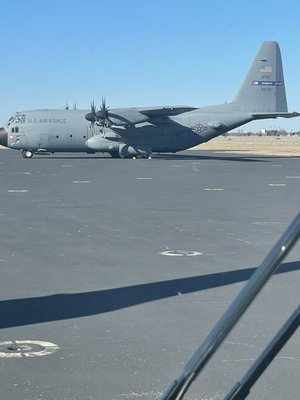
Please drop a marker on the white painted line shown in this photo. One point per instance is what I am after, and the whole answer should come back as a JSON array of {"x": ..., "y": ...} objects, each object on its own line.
[
  {"x": 277, "y": 184},
  {"x": 180, "y": 253},
  {"x": 265, "y": 223},
  {"x": 214, "y": 189},
  {"x": 26, "y": 348},
  {"x": 81, "y": 181},
  {"x": 25, "y": 173},
  {"x": 292, "y": 177},
  {"x": 144, "y": 179},
  {"x": 67, "y": 166},
  {"x": 18, "y": 191}
]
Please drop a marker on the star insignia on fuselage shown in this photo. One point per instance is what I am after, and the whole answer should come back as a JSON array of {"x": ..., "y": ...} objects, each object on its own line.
[{"x": 199, "y": 128}]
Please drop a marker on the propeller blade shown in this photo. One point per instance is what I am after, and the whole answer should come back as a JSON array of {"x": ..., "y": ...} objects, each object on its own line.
[
  {"x": 91, "y": 116},
  {"x": 93, "y": 107},
  {"x": 102, "y": 114}
]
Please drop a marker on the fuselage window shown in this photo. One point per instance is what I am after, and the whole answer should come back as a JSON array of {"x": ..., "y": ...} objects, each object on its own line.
[{"x": 15, "y": 129}]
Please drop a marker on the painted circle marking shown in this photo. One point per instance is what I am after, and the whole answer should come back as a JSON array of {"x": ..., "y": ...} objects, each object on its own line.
[
  {"x": 180, "y": 253},
  {"x": 26, "y": 348}
]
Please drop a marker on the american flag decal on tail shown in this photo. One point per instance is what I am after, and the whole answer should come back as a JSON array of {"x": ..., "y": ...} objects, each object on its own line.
[{"x": 266, "y": 70}]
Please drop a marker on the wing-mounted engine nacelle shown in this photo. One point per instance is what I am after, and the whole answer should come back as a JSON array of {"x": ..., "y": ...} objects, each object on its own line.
[{"x": 126, "y": 150}]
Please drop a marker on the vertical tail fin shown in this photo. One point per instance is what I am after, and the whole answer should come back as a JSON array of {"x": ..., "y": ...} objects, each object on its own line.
[{"x": 263, "y": 89}]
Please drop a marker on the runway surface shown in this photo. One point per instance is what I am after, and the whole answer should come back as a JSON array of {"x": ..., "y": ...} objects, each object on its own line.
[{"x": 123, "y": 266}]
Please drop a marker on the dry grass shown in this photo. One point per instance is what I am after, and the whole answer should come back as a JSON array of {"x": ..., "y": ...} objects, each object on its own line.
[{"x": 287, "y": 146}]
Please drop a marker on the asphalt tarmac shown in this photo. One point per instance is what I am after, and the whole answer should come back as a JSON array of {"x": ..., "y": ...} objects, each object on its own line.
[{"x": 114, "y": 271}]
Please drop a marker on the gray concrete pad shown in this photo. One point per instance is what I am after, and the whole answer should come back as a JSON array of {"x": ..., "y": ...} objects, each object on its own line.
[{"x": 82, "y": 263}]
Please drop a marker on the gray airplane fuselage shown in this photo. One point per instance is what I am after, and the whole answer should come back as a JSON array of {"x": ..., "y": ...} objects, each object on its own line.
[{"x": 68, "y": 131}]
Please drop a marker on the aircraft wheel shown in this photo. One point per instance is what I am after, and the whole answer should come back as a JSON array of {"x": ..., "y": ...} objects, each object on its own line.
[{"x": 27, "y": 153}]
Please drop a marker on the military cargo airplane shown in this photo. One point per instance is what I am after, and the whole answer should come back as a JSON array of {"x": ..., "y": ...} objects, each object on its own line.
[{"x": 132, "y": 132}]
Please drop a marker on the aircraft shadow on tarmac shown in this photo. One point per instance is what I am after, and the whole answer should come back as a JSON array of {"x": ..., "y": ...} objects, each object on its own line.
[
  {"x": 166, "y": 157},
  {"x": 196, "y": 157},
  {"x": 18, "y": 312}
]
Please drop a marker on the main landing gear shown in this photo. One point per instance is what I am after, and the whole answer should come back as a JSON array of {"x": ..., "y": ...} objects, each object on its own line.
[
  {"x": 116, "y": 154},
  {"x": 135, "y": 157}
]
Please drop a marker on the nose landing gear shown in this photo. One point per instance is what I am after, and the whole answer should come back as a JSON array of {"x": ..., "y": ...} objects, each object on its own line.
[{"x": 27, "y": 153}]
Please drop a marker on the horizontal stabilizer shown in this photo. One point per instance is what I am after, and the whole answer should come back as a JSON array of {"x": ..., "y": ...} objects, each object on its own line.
[{"x": 276, "y": 115}]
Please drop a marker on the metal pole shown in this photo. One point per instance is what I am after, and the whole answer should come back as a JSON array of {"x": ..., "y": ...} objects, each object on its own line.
[
  {"x": 242, "y": 388},
  {"x": 213, "y": 340}
]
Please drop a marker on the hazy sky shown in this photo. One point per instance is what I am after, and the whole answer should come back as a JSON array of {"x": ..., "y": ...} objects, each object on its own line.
[{"x": 140, "y": 53}]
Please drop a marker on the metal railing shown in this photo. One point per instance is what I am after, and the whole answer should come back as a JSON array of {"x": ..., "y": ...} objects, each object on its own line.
[{"x": 239, "y": 305}]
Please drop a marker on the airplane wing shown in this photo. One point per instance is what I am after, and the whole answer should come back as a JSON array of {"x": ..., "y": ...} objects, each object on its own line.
[
  {"x": 165, "y": 111},
  {"x": 132, "y": 116}
]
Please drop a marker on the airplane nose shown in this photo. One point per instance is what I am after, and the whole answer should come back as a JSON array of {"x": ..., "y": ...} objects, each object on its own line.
[{"x": 3, "y": 137}]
